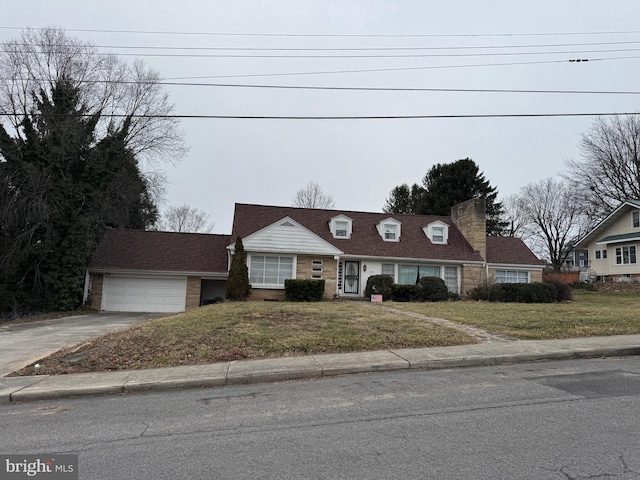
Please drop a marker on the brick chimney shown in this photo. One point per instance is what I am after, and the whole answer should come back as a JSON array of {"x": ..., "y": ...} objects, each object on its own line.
[{"x": 471, "y": 219}]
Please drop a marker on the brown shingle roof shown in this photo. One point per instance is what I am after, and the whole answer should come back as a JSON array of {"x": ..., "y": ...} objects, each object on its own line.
[
  {"x": 161, "y": 251},
  {"x": 365, "y": 240},
  {"x": 510, "y": 251}
]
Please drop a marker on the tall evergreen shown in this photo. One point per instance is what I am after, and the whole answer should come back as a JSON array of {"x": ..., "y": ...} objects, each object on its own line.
[
  {"x": 444, "y": 186},
  {"x": 238, "y": 287}
]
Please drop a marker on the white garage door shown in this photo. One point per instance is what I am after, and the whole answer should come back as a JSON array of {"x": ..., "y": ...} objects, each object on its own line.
[{"x": 122, "y": 293}]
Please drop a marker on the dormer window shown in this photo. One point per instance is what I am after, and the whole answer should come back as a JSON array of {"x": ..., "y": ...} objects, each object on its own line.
[
  {"x": 635, "y": 219},
  {"x": 389, "y": 230},
  {"x": 437, "y": 232},
  {"x": 341, "y": 226}
]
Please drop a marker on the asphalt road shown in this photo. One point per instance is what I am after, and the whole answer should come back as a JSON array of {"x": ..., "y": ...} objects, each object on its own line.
[
  {"x": 24, "y": 343},
  {"x": 554, "y": 420}
]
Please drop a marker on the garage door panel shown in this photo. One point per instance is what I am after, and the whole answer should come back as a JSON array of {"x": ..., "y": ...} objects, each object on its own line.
[{"x": 144, "y": 294}]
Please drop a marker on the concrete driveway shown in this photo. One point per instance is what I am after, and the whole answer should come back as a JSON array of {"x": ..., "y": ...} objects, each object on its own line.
[{"x": 23, "y": 344}]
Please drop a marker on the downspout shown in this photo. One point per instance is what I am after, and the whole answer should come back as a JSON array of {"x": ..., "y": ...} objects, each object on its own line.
[{"x": 87, "y": 280}]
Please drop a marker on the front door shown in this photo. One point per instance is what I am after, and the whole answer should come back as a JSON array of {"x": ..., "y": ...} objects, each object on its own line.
[{"x": 351, "y": 277}]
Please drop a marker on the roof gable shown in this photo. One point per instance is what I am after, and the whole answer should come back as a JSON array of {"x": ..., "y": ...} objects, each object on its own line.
[
  {"x": 602, "y": 227},
  {"x": 287, "y": 235}
]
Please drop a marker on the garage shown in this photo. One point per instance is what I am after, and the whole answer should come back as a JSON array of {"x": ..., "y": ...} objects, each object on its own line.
[{"x": 139, "y": 293}]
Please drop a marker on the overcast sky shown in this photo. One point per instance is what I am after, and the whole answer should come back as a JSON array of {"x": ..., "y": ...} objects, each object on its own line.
[{"x": 457, "y": 44}]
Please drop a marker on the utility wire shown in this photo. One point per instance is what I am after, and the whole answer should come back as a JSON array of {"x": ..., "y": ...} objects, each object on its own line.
[
  {"x": 338, "y": 35},
  {"x": 336, "y": 117},
  {"x": 330, "y": 49}
]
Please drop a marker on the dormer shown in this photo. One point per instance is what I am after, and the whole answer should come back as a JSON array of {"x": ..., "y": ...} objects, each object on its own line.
[
  {"x": 437, "y": 232},
  {"x": 341, "y": 226},
  {"x": 389, "y": 230}
]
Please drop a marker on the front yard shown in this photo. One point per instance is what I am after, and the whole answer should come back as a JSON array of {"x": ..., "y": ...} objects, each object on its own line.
[{"x": 234, "y": 331}]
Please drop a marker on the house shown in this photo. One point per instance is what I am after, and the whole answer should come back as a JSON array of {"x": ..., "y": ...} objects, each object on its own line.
[
  {"x": 160, "y": 271},
  {"x": 614, "y": 244}
]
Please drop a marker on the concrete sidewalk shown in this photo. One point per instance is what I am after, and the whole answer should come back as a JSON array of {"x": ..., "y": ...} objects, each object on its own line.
[{"x": 16, "y": 389}]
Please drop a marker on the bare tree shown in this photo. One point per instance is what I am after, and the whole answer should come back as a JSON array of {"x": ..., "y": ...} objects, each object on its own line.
[
  {"x": 119, "y": 92},
  {"x": 312, "y": 196},
  {"x": 185, "y": 219},
  {"x": 552, "y": 217},
  {"x": 609, "y": 171}
]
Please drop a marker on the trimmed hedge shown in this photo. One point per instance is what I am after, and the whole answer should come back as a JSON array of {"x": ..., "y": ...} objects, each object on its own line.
[
  {"x": 379, "y": 285},
  {"x": 516, "y": 293},
  {"x": 563, "y": 289},
  {"x": 304, "y": 290},
  {"x": 433, "y": 289},
  {"x": 406, "y": 293}
]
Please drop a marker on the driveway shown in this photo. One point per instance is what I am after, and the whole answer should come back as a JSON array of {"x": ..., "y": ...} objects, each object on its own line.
[{"x": 23, "y": 344}]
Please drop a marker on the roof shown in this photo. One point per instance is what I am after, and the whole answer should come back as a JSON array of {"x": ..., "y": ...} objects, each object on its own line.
[
  {"x": 620, "y": 238},
  {"x": 605, "y": 224},
  {"x": 161, "y": 251},
  {"x": 510, "y": 251},
  {"x": 365, "y": 239}
]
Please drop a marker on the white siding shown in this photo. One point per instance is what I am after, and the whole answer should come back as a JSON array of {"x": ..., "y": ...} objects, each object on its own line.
[{"x": 287, "y": 236}]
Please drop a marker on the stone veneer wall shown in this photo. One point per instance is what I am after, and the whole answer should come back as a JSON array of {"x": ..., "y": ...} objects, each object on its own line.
[
  {"x": 194, "y": 285},
  {"x": 470, "y": 218},
  {"x": 472, "y": 277},
  {"x": 329, "y": 273},
  {"x": 95, "y": 292}
]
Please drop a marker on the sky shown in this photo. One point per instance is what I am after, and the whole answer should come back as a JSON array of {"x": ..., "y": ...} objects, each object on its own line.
[{"x": 431, "y": 57}]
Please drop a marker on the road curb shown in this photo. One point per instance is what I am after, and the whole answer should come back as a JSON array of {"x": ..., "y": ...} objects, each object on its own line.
[{"x": 24, "y": 389}]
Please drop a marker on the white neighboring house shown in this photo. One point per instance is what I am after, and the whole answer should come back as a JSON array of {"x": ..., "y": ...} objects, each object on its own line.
[{"x": 614, "y": 244}]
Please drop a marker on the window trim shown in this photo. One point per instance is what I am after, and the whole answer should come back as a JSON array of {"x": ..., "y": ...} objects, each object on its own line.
[
  {"x": 620, "y": 255},
  {"x": 507, "y": 271},
  {"x": 635, "y": 219},
  {"x": 390, "y": 222},
  {"x": 430, "y": 229},
  {"x": 333, "y": 227},
  {"x": 271, "y": 286}
]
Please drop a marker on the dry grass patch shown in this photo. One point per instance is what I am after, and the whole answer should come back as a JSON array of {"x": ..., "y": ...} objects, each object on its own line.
[
  {"x": 233, "y": 331},
  {"x": 589, "y": 314}
]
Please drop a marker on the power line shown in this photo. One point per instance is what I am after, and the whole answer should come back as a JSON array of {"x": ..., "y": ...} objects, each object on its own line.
[
  {"x": 334, "y": 35},
  {"x": 333, "y": 49},
  {"x": 340, "y": 56},
  {"x": 360, "y": 117}
]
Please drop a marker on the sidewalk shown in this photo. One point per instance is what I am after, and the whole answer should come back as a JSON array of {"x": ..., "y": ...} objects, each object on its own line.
[{"x": 18, "y": 389}]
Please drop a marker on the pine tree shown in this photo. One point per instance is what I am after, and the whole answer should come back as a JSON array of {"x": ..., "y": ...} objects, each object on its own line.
[{"x": 238, "y": 287}]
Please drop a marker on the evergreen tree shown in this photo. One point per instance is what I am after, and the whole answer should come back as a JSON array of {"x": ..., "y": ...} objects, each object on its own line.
[
  {"x": 238, "y": 287},
  {"x": 60, "y": 190},
  {"x": 444, "y": 186}
]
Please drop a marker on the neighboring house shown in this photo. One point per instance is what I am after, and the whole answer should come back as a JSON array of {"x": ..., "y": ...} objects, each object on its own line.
[
  {"x": 614, "y": 244},
  {"x": 137, "y": 270},
  {"x": 578, "y": 259},
  {"x": 148, "y": 271}
]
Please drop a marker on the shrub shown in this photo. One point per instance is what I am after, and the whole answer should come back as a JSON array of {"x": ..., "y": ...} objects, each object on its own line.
[
  {"x": 379, "y": 284},
  {"x": 238, "y": 287},
  {"x": 433, "y": 289},
  {"x": 303, "y": 290},
  {"x": 588, "y": 286},
  {"x": 406, "y": 293},
  {"x": 515, "y": 293},
  {"x": 563, "y": 290}
]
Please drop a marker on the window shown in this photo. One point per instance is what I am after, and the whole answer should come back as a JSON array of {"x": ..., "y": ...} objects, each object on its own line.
[
  {"x": 270, "y": 270},
  {"x": 451, "y": 278},
  {"x": 341, "y": 226},
  {"x": 635, "y": 219},
  {"x": 597, "y": 254},
  {"x": 437, "y": 232},
  {"x": 438, "y": 235},
  {"x": 389, "y": 269},
  {"x": 390, "y": 231},
  {"x": 411, "y": 274},
  {"x": 626, "y": 255},
  {"x": 604, "y": 254},
  {"x": 512, "y": 276}
]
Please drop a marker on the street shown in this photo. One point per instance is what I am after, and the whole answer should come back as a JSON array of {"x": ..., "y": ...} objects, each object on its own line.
[{"x": 552, "y": 420}]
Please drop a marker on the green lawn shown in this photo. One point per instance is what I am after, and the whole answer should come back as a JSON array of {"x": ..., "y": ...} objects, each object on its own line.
[{"x": 589, "y": 314}]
